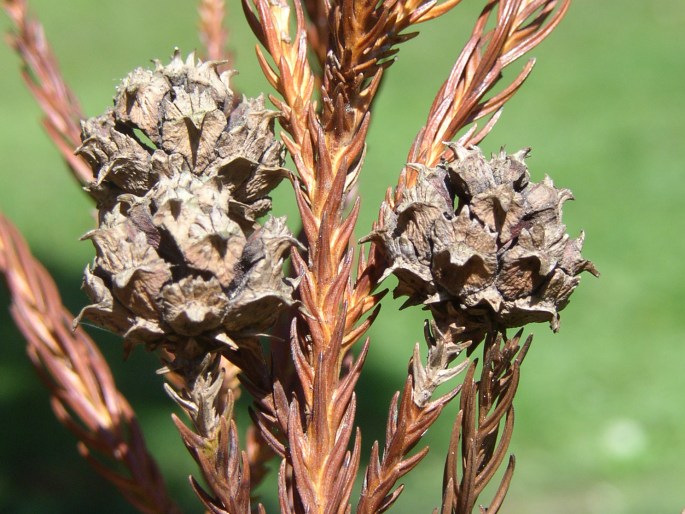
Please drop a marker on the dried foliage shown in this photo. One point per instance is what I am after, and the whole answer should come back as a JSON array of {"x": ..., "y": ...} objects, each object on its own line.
[
  {"x": 486, "y": 408},
  {"x": 84, "y": 396},
  {"x": 409, "y": 419},
  {"x": 213, "y": 33},
  {"x": 181, "y": 168},
  {"x": 43, "y": 78},
  {"x": 214, "y": 441},
  {"x": 519, "y": 26}
]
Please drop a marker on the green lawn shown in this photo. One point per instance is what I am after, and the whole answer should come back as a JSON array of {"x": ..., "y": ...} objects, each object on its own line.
[{"x": 600, "y": 409}]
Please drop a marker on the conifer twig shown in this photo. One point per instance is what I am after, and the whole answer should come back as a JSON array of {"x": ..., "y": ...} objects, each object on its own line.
[
  {"x": 318, "y": 28},
  {"x": 409, "y": 419},
  {"x": 484, "y": 426},
  {"x": 328, "y": 151},
  {"x": 43, "y": 78},
  {"x": 213, "y": 440},
  {"x": 520, "y": 25},
  {"x": 84, "y": 396},
  {"x": 213, "y": 33}
]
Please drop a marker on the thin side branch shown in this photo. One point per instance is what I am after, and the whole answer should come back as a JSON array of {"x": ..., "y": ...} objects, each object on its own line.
[
  {"x": 43, "y": 78},
  {"x": 407, "y": 423},
  {"x": 213, "y": 441},
  {"x": 318, "y": 28},
  {"x": 484, "y": 427},
  {"x": 84, "y": 396},
  {"x": 409, "y": 419},
  {"x": 290, "y": 74},
  {"x": 213, "y": 33},
  {"x": 519, "y": 26},
  {"x": 328, "y": 150}
]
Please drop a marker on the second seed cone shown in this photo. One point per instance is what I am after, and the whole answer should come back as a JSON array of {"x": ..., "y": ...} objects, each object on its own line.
[{"x": 482, "y": 246}]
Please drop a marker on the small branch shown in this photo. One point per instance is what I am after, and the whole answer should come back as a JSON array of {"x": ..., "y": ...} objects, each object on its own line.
[
  {"x": 328, "y": 151},
  {"x": 364, "y": 36},
  {"x": 84, "y": 396},
  {"x": 43, "y": 78},
  {"x": 214, "y": 441},
  {"x": 486, "y": 409},
  {"x": 317, "y": 28},
  {"x": 409, "y": 420},
  {"x": 259, "y": 453},
  {"x": 290, "y": 74},
  {"x": 519, "y": 26},
  {"x": 271, "y": 402},
  {"x": 213, "y": 34}
]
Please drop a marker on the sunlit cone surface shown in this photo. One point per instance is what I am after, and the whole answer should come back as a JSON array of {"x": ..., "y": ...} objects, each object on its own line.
[
  {"x": 182, "y": 171},
  {"x": 482, "y": 246}
]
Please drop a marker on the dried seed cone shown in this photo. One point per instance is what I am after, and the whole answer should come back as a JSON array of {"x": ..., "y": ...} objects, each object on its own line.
[
  {"x": 182, "y": 171},
  {"x": 499, "y": 258}
]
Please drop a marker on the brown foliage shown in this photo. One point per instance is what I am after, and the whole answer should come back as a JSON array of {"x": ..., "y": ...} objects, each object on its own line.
[
  {"x": 181, "y": 169},
  {"x": 84, "y": 396}
]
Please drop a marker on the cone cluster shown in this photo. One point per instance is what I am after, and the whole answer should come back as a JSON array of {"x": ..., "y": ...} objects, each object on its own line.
[
  {"x": 182, "y": 172},
  {"x": 482, "y": 246}
]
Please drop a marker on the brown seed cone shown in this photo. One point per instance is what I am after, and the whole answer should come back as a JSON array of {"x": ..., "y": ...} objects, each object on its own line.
[
  {"x": 182, "y": 171},
  {"x": 499, "y": 258}
]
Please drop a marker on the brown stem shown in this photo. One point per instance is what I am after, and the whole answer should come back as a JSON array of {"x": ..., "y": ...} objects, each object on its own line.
[
  {"x": 271, "y": 398},
  {"x": 463, "y": 98},
  {"x": 318, "y": 28},
  {"x": 486, "y": 409},
  {"x": 409, "y": 420},
  {"x": 84, "y": 396},
  {"x": 407, "y": 423},
  {"x": 328, "y": 152},
  {"x": 213, "y": 34},
  {"x": 213, "y": 441},
  {"x": 43, "y": 78},
  {"x": 259, "y": 453},
  {"x": 290, "y": 74}
]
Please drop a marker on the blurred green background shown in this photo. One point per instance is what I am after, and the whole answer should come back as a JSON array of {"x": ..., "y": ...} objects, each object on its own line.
[{"x": 601, "y": 405}]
